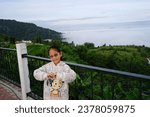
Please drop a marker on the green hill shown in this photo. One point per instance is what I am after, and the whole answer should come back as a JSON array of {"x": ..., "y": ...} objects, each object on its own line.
[{"x": 26, "y": 31}]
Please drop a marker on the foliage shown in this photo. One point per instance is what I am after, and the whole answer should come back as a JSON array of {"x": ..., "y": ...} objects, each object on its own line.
[
  {"x": 26, "y": 31},
  {"x": 91, "y": 84}
]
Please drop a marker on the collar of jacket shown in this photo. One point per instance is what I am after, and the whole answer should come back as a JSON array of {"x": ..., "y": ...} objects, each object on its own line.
[{"x": 59, "y": 64}]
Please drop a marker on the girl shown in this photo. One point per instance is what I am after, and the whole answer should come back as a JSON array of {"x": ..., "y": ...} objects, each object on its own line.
[{"x": 56, "y": 76}]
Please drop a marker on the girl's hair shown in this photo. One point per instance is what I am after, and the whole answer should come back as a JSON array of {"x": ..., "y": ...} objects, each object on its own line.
[{"x": 55, "y": 48}]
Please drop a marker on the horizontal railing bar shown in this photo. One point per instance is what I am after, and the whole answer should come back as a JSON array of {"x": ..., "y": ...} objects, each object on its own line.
[
  {"x": 9, "y": 80},
  {"x": 118, "y": 72},
  {"x": 34, "y": 96},
  {"x": 36, "y": 57},
  {"x": 9, "y": 49}
]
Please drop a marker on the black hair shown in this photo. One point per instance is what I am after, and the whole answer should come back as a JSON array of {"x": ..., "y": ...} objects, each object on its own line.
[{"x": 55, "y": 47}]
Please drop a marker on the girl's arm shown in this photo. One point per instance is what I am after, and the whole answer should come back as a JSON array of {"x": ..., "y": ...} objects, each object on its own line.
[
  {"x": 68, "y": 75},
  {"x": 40, "y": 73}
]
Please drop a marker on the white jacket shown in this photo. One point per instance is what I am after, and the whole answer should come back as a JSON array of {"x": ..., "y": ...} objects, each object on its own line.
[{"x": 57, "y": 89}]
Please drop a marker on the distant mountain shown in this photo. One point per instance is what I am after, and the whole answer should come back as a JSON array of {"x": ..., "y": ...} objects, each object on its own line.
[{"x": 26, "y": 31}]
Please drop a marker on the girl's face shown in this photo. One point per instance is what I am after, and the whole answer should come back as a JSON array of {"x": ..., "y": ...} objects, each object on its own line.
[{"x": 55, "y": 56}]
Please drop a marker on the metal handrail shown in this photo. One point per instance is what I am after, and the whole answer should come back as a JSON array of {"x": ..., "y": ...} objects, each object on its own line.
[
  {"x": 118, "y": 72},
  {"x": 111, "y": 71},
  {"x": 9, "y": 49}
]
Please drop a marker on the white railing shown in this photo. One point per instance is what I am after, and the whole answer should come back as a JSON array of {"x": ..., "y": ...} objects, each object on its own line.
[{"x": 23, "y": 70}]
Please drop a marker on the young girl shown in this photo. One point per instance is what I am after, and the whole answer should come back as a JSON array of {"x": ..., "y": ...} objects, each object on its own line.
[{"x": 56, "y": 76}]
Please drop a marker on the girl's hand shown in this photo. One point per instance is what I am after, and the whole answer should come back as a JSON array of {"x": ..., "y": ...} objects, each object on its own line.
[{"x": 51, "y": 75}]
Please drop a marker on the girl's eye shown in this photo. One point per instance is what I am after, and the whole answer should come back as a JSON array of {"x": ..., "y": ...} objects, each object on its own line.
[{"x": 55, "y": 55}]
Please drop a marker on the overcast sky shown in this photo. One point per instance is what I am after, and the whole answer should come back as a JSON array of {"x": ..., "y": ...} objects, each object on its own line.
[
  {"x": 65, "y": 10},
  {"x": 62, "y": 15}
]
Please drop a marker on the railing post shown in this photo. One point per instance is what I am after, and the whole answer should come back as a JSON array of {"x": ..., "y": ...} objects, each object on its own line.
[{"x": 23, "y": 69}]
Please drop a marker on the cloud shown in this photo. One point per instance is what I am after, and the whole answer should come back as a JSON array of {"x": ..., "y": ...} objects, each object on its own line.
[
  {"x": 80, "y": 17},
  {"x": 67, "y": 10},
  {"x": 74, "y": 12},
  {"x": 76, "y": 19}
]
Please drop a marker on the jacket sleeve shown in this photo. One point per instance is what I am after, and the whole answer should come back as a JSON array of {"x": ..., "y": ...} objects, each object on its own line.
[
  {"x": 68, "y": 75},
  {"x": 40, "y": 73}
]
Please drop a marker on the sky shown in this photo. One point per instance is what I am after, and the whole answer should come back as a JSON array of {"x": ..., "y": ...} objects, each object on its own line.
[
  {"x": 98, "y": 21},
  {"x": 71, "y": 10}
]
